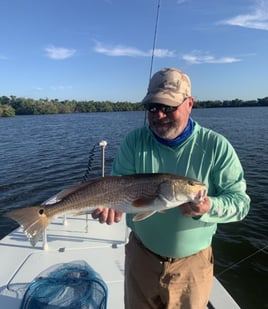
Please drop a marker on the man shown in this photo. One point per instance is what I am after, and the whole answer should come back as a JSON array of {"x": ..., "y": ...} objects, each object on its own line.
[{"x": 169, "y": 261}]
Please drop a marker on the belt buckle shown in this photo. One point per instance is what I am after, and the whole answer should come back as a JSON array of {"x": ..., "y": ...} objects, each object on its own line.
[
  {"x": 170, "y": 260},
  {"x": 167, "y": 259}
]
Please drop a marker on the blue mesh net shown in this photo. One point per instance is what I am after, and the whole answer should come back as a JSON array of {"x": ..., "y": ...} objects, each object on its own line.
[{"x": 73, "y": 285}]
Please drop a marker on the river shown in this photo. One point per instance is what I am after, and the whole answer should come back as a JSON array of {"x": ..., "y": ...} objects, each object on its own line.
[{"x": 40, "y": 155}]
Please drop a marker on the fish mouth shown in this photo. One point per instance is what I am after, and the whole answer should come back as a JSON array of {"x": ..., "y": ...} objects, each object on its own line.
[{"x": 201, "y": 194}]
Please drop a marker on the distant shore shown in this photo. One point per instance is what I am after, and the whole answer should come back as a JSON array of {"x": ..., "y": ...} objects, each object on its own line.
[{"x": 13, "y": 106}]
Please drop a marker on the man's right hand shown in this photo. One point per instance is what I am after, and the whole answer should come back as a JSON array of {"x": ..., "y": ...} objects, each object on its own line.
[{"x": 107, "y": 215}]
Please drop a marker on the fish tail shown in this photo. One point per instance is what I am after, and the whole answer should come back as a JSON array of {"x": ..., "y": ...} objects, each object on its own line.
[{"x": 33, "y": 219}]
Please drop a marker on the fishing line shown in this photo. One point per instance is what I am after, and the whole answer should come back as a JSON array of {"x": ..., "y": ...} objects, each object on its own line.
[
  {"x": 154, "y": 45},
  {"x": 242, "y": 260}
]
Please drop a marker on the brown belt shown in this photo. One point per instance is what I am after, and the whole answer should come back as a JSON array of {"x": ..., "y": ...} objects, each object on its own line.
[{"x": 165, "y": 258}]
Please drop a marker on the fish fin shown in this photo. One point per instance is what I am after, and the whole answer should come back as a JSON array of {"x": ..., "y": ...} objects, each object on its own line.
[
  {"x": 143, "y": 215},
  {"x": 53, "y": 199},
  {"x": 33, "y": 220},
  {"x": 143, "y": 201},
  {"x": 62, "y": 194}
]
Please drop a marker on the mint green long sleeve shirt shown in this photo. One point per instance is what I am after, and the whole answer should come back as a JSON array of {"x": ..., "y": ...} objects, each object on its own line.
[{"x": 206, "y": 156}]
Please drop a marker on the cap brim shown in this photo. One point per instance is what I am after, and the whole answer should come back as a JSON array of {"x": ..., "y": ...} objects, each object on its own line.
[{"x": 162, "y": 99}]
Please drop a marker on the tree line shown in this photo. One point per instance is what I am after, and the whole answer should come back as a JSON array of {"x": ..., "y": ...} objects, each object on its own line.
[{"x": 12, "y": 106}]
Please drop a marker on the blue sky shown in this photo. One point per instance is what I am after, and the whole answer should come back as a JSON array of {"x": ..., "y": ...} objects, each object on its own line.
[{"x": 101, "y": 49}]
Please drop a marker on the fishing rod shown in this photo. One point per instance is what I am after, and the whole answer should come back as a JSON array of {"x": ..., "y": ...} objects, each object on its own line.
[
  {"x": 154, "y": 45},
  {"x": 154, "y": 38}
]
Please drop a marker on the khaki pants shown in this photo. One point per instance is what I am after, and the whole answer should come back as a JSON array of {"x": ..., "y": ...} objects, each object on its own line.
[{"x": 150, "y": 282}]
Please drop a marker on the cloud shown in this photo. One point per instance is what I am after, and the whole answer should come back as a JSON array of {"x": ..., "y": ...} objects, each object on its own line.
[
  {"x": 38, "y": 88},
  {"x": 120, "y": 50},
  {"x": 59, "y": 53},
  {"x": 198, "y": 57},
  {"x": 257, "y": 19},
  {"x": 60, "y": 87},
  {"x": 163, "y": 53}
]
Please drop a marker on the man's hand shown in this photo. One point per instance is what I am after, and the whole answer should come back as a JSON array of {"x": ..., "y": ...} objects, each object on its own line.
[
  {"x": 193, "y": 210},
  {"x": 107, "y": 215}
]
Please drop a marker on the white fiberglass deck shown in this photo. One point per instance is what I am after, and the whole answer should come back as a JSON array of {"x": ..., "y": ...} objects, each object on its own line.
[{"x": 101, "y": 246}]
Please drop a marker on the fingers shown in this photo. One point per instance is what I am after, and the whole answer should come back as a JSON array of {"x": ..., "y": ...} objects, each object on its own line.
[
  {"x": 103, "y": 216},
  {"x": 117, "y": 216},
  {"x": 107, "y": 215},
  {"x": 192, "y": 209},
  {"x": 187, "y": 209},
  {"x": 97, "y": 213}
]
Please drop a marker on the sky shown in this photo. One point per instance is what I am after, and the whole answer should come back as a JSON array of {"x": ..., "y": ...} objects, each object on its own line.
[{"x": 101, "y": 50}]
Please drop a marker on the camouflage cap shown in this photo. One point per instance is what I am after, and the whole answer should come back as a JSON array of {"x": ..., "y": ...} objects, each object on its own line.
[{"x": 168, "y": 86}]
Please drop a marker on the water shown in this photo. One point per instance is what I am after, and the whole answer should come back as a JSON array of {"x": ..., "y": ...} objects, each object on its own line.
[{"x": 40, "y": 155}]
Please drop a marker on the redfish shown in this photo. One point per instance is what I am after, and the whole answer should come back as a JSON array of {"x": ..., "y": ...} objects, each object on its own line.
[{"x": 141, "y": 194}]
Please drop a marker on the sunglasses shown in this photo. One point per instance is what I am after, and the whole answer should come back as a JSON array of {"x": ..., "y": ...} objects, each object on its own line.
[{"x": 154, "y": 108}]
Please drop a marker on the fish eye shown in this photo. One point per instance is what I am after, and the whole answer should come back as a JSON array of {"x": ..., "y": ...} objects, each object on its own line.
[
  {"x": 191, "y": 183},
  {"x": 41, "y": 211}
]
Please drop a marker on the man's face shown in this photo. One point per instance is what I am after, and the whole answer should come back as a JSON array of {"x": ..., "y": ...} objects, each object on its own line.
[{"x": 169, "y": 125}]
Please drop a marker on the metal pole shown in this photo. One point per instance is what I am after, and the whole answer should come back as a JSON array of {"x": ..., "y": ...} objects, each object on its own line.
[{"x": 103, "y": 144}]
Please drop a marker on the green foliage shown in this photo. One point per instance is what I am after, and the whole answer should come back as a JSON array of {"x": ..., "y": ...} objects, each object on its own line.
[
  {"x": 231, "y": 103},
  {"x": 11, "y": 106},
  {"x": 7, "y": 111}
]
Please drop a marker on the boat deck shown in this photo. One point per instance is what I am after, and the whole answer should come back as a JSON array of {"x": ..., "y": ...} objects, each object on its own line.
[{"x": 101, "y": 246}]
